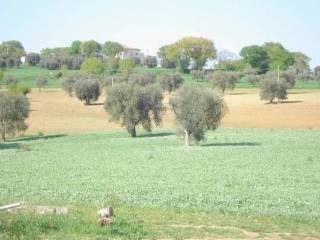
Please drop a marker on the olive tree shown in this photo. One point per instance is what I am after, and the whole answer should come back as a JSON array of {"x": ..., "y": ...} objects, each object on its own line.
[
  {"x": 92, "y": 66},
  {"x": 87, "y": 89},
  {"x": 170, "y": 82},
  {"x": 141, "y": 79},
  {"x": 33, "y": 59},
  {"x": 223, "y": 80},
  {"x": 14, "y": 109},
  {"x": 8, "y": 79},
  {"x": 133, "y": 104},
  {"x": 68, "y": 83},
  {"x": 197, "y": 110},
  {"x": 151, "y": 61},
  {"x": 317, "y": 73},
  {"x": 41, "y": 82},
  {"x": 275, "y": 85}
]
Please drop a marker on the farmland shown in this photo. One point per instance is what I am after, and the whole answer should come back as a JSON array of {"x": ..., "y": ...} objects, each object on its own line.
[{"x": 245, "y": 172}]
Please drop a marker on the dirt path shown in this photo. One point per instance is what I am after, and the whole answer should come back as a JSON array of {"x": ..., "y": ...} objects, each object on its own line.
[{"x": 54, "y": 112}]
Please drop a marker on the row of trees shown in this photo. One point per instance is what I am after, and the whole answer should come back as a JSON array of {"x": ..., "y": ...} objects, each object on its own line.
[{"x": 137, "y": 100}]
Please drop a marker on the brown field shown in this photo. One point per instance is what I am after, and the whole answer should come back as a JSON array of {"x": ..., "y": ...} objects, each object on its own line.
[{"x": 54, "y": 112}]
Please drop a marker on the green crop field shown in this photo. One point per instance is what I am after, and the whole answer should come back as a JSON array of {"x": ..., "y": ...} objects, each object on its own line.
[{"x": 257, "y": 179}]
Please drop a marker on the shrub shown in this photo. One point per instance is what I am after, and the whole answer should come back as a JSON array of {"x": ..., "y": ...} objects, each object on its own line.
[
  {"x": 87, "y": 89},
  {"x": 126, "y": 65},
  {"x": 16, "y": 88},
  {"x": 271, "y": 87},
  {"x": 197, "y": 110},
  {"x": 58, "y": 75},
  {"x": 51, "y": 63},
  {"x": 134, "y": 105},
  {"x": 14, "y": 109},
  {"x": 3, "y": 63},
  {"x": 1, "y": 76},
  {"x": 253, "y": 79},
  {"x": 223, "y": 80},
  {"x": 41, "y": 82},
  {"x": 151, "y": 61},
  {"x": 170, "y": 82},
  {"x": 141, "y": 79},
  {"x": 33, "y": 59},
  {"x": 92, "y": 66},
  {"x": 112, "y": 64}
]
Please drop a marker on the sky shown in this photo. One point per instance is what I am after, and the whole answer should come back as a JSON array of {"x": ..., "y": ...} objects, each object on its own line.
[{"x": 149, "y": 24}]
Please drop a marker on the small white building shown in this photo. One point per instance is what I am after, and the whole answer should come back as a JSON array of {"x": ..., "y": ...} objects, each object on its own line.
[{"x": 130, "y": 53}]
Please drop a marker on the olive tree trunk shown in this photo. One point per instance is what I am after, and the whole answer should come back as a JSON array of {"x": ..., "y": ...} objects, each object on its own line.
[
  {"x": 132, "y": 132},
  {"x": 186, "y": 138}
]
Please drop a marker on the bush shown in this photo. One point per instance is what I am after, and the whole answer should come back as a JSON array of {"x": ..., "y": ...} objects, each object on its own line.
[
  {"x": 272, "y": 88},
  {"x": 68, "y": 83},
  {"x": 3, "y": 63},
  {"x": 33, "y": 59},
  {"x": 223, "y": 80},
  {"x": 41, "y": 82},
  {"x": 58, "y": 75},
  {"x": 151, "y": 62},
  {"x": 87, "y": 89},
  {"x": 168, "y": 63},
  {"x": 126, "y": 65},
  {"x": 1, "y": 76},
  {"x": 253, "y": 79},
  {"x": 112, "y": 64},
  {"x": 14, "y": 111},
  {"x": 16, "y": 88},
  {"x": 92, "y": 66},
  {"x": 170, "y": 82},
  {"x": 197, "y": 110},
  {"x": 134, "y": 105},
  {"x": 141, "y": 79}
]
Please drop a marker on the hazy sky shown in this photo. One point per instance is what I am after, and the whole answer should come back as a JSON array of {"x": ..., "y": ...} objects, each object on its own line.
[{"x": 148, "y": 24}]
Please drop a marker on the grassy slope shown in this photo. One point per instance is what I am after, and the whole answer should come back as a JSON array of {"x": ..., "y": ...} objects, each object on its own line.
[
  {"x": 27, "y": 76},
  {"x": 259, "y": 180}
]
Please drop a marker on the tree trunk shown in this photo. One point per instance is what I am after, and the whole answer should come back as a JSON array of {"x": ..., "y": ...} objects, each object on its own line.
[
  {"x": 132, "y": 132},
  {"x": 87, "y": 102},
  {"x": 186, "y": 138},
  {"x": 3, "y": 136}
]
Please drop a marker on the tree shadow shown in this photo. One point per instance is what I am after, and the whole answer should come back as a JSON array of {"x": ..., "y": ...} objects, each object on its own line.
[
  {"x": 4, "y": 146},
  {"x": 240, "y": 93},
  {"x": 290, "y": 102},
  {"x": 298, "y": 92},
  {"x": 32, "y": 138},
  {"x": 95, "y": 104},
  {"x": 162, "y": 134},
  {"x": 227, "y": 144}
]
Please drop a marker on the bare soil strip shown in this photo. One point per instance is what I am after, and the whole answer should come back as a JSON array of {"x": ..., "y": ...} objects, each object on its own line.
[{"x": 54, "y": 112}]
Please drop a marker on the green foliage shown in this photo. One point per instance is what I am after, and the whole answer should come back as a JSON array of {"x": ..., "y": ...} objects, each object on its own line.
[
  {"x": 14, "y": 109},
  {"x": 278, "y": 56},
  {"x": 135, "y": 104},
  {"x": 197, "y": 110},
  {"x": 196, "y": 48},
  {"x": 91, "y": 48},
  {"x": 55, "y": 52},
  {"x": 75, "y": 48},
  {"x": 1, "y": 76},
  {"x": 231, "y": 65},
  {"x": 126, "y": 65},
  {"x": 257, "y": 57},
  {"x": 111, "y": 49},
  {"x": 87, "y": 89},
  {"x": 317, "y": 73},
  {"x": 112, "y": 64},
  {"x": 222, "y": 80},
  {"x": 93, "y": 66},
  {"x": 198, "y": 75},
  {"x": 17, "y": 88}
]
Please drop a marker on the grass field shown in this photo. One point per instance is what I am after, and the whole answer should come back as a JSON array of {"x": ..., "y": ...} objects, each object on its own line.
[
  {"x": 256, "y": 179},
  {"x": 28, "y": 75}
]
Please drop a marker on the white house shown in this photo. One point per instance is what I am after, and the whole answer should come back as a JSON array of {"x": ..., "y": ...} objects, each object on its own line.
[{"x": 130, "y": 53}]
